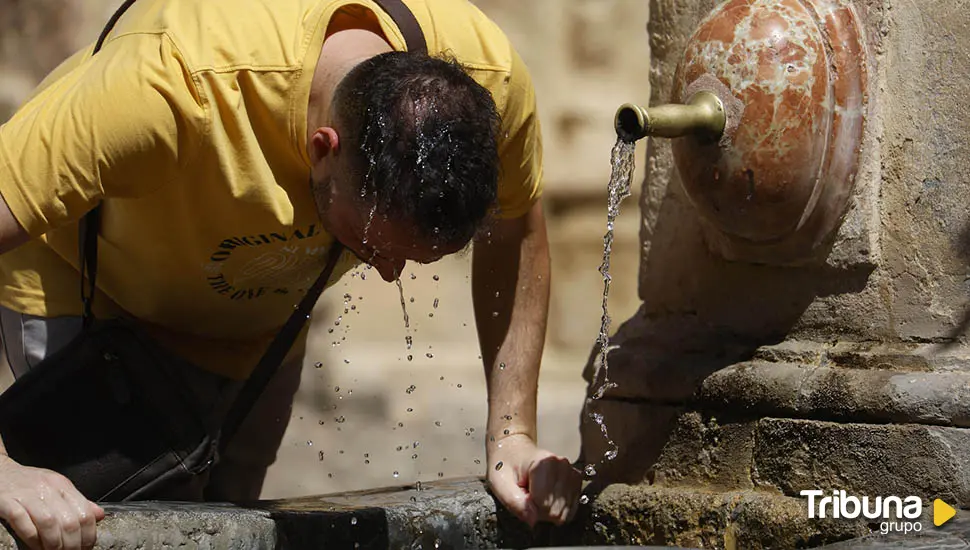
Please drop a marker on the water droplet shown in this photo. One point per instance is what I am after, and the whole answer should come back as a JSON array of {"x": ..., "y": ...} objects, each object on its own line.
[
  {"x": 442, "y": 378},
  {"x": 353, "y": 520},
  {"x": 506, "y": 432},
  {"x": 336, "y": 389},
  {"x": 501, "y": 366},
  {"x": 437, "y": 423},
  {"x": 431, "y": 315},
  {"x": 498, "y": 466},
  {"x": 410, "y": 357},
  {"x": 321, "y": 422},
  {"x": 477, "y": 461},
  {"x": 435, "y": 277},
  {"x": 330, "y": 476},
  {"x": 309, "y": 443},
  {"x": 430, "y": 356},
  {"x": 400, "y": 424},
  {"x": 590, "y": 470},
  {"x": 413, "y": 276},
  {"x": 584, "y": 499},
  {"x": 410, "y": 389},
  {"x": 318, "y": 365},
  {"x": 459, "y": 385},
  {"x": 414, "y": 456},
  {"x": 494, "y": 314},
  {"x": 435, "y": 305},
  {"x": 507, "y": 417},
  {"x": 410, "y": 409},
  {"x": 415, "y": 445},
  {"x": 396, "y": 474},
  {"x": 366, "y": 461},
  {"x": 437, "y": 543},
  {"x": 346, "y": 361},
  {"x": 399, "y": 447},
  {"x": 320, "y": 456},
  {"x": 441, "y": 474},
  {"x": 340, "y": 419}
]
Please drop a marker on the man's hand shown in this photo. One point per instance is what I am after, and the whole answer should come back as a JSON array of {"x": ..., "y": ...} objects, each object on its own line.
[
  {"x": 44, "y": 509},
  {"x": 533, "y": 484}
]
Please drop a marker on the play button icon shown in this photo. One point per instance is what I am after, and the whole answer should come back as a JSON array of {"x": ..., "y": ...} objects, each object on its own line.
[{"x": 942, "y": 512}]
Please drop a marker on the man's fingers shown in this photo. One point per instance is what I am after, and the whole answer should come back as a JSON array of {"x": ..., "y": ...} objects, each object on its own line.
[
  {"x": 48, "y": 526},
  {"x": 555, "y": 486},
  {"x": 86, "y": 519},
  {"x": 23, "y": 526},
  {"x": 68, "y": 521},
  {"x": 515, "y": 499},
  {"x": 97, "y": 510}
]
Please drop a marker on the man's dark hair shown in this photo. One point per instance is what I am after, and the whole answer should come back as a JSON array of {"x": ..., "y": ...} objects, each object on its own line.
[{"x": 422, "y": 134}]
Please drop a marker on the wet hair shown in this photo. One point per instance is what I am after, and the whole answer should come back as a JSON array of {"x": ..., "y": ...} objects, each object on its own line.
[{"x": 422, "y": 135}]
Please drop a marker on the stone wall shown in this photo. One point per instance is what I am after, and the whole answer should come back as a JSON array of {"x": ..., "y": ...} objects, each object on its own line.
[
  {"x": 587, "y": 57},
  {"x": 852, "y": 349}
]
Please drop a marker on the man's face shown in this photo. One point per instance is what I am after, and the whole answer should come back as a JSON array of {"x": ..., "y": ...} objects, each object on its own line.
[{"x": 385, "y": 243}]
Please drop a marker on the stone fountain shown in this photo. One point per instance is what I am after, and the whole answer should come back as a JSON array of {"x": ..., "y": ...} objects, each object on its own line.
[{"x": 803, "y": 274}]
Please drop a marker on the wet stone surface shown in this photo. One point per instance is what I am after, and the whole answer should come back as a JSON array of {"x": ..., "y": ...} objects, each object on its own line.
[{"x": 149, "y": 525}]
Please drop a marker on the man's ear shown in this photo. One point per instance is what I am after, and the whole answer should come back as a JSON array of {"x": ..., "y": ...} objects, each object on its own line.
[{"x": 323, "y": 142}]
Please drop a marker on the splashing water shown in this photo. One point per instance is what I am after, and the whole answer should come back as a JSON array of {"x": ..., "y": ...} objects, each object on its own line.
[
  {"x": 370, "y": 220},
  {"x": 623, "y": 162},
  {"x": 407, "y": 321}
]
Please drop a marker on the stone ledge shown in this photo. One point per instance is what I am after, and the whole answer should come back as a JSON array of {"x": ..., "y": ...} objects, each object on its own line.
[
  {"x": 150, "y": 525},
  {"x": 826, "y": 393},
  {"x": 461, "y": 514},
  {"x": 448, "y": 514}
]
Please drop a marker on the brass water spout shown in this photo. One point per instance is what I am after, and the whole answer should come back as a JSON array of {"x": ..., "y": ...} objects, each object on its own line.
[{"x": 703, "y": 115}]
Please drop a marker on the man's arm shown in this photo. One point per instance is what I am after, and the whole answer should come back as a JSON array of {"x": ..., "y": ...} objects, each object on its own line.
[{"x": 510, "y": 289}]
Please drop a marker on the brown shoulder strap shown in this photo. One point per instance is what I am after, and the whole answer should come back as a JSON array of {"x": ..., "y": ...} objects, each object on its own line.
[{"x": 406, "y": 23}]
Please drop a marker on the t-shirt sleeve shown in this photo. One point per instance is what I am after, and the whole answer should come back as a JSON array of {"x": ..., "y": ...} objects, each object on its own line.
[
  {"x": 119, "y": 124},
  {"x": 520, "y": 148}
]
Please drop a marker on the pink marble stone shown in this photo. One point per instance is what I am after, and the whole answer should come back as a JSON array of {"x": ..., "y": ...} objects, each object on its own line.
[{"x": 796, "y": 72}]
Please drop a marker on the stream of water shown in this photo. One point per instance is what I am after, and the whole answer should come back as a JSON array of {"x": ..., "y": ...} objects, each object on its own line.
[{"x": 623, "y": 162}]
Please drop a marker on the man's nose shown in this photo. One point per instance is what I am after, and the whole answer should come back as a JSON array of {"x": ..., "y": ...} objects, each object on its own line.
[{"x": 390, "y": 270}]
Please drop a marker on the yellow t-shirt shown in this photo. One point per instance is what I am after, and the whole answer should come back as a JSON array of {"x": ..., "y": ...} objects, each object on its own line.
[{"x": 189, "y": 126}]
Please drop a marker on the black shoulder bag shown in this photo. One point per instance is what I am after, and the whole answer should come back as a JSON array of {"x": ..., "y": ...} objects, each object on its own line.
[{"x": 144, "y": 431}]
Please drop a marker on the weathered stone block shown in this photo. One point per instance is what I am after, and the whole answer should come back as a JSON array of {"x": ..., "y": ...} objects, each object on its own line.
[
  {"x": 864, "y": 459},
  {"x": 702, "y": 452},
  {"x": 695, "y": 518}
]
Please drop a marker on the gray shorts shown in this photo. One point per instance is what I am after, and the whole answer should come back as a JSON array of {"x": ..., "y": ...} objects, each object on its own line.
[{"x": 239, "y": 475}]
